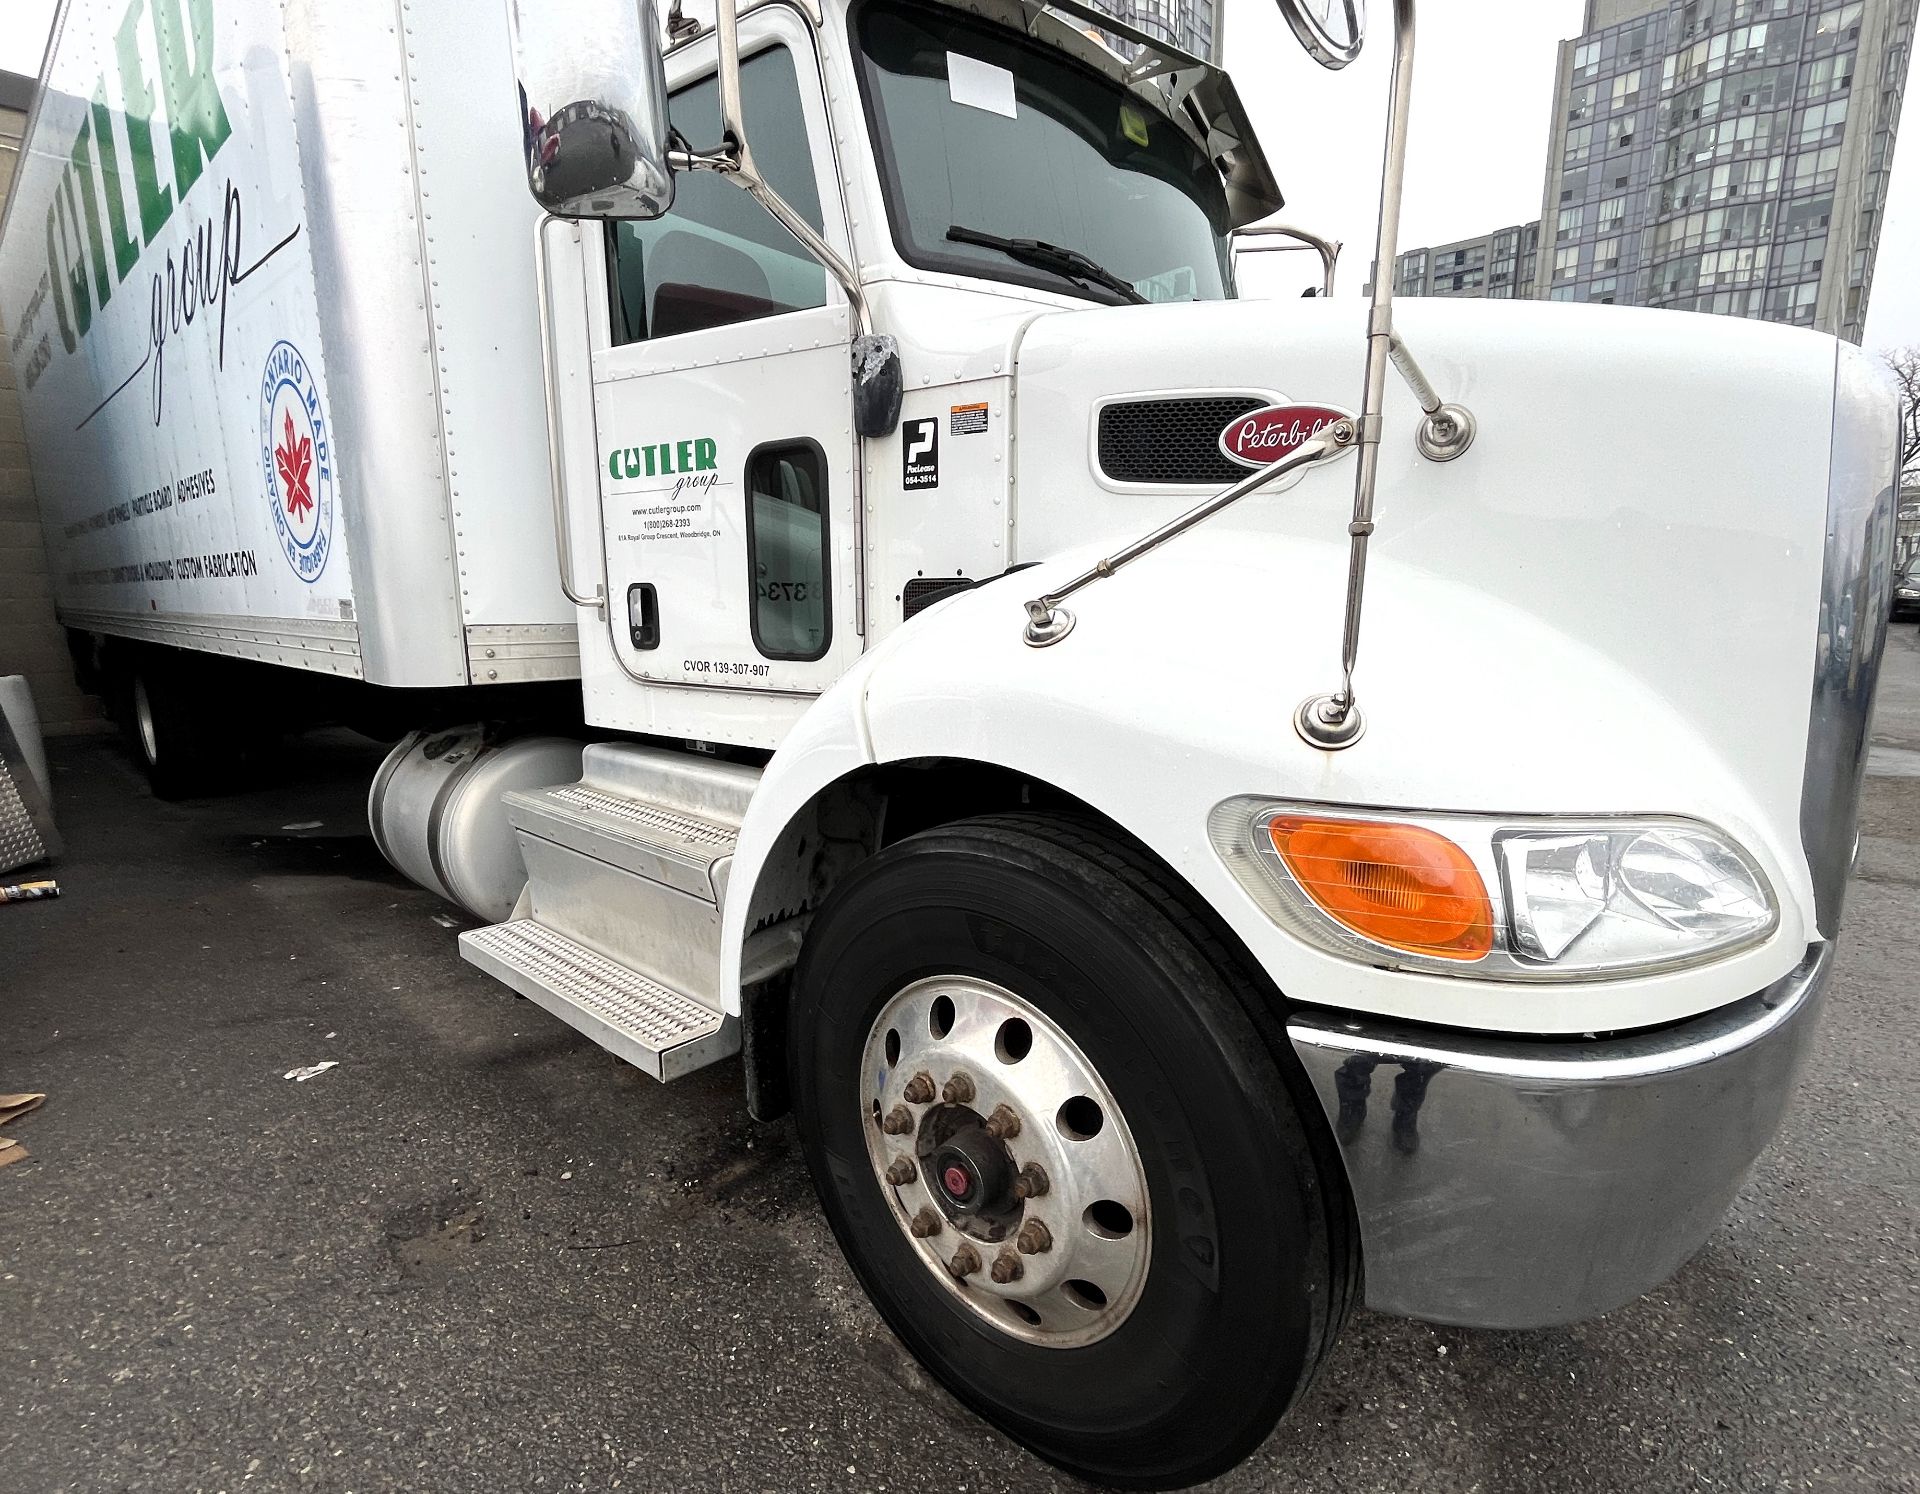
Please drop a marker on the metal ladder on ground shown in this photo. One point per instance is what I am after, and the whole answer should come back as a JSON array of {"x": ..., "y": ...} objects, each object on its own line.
[{"x": 618, "y": 931}]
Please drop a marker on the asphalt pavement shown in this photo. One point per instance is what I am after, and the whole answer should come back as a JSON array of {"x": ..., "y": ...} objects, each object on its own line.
[{"x": 480, "y": 1254}]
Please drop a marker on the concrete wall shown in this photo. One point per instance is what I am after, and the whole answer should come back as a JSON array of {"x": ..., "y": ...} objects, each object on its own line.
[{"x": 31, "y": 642}]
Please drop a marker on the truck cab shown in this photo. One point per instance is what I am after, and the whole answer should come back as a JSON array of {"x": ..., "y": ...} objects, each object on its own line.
[
  {"x": 973, "y": 731},
  {"x": 1141, "y": 1003},
  {"x": 752, "y": 543}
]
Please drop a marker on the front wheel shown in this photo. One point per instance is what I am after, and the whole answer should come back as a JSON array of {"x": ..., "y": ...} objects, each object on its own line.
[{"x": 1058, "y": 1152}]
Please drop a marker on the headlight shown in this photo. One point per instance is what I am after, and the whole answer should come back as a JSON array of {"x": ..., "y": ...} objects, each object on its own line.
[{"x": 1503, "y": 899}]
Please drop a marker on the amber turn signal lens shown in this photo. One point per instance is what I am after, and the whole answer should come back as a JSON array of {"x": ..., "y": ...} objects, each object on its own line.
[{"x": 1398, "y": 885}]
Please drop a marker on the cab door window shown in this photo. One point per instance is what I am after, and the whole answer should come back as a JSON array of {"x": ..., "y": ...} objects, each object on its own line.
[
  {"x": 719, "y": 257},
  {"x": 787, "y": 550}
]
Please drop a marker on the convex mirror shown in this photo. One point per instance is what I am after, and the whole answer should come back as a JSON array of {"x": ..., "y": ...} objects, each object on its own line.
[
  {"x": 1330, "y": 30},
  {"x": 593, "y": 106}
]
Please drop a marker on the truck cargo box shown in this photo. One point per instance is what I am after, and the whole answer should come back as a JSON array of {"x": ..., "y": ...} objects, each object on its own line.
[{"x": 267, "y": 282}]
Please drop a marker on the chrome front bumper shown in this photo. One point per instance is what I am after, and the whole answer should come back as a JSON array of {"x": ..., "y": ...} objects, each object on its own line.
[{"x": 1501, "y": 1183}]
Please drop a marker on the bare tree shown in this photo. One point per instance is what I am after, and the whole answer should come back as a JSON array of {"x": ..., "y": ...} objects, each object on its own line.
[{"x": 1905, "y": 363}]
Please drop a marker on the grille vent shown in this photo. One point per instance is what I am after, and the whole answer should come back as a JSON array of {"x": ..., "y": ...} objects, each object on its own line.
[
  {"x": 923, "y": 591},
  {"x": 1171, "y": 440}
]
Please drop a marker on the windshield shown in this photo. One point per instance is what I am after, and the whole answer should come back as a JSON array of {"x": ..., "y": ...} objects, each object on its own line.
[{"x": 981, "y": 129}]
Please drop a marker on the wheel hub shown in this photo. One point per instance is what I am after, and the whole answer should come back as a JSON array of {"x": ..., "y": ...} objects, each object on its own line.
[
  {"x": 1012, "y": 1172},
  {"x": 970, "y": 1173}
]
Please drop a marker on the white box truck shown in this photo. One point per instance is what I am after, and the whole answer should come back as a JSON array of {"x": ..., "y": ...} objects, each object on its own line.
[
  {"x": 280, "y": 371},
  {"x": 965, "y": 590}
]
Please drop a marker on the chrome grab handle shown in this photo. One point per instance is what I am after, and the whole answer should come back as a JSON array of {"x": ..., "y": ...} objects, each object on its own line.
[{"x": 556, "y": 475}]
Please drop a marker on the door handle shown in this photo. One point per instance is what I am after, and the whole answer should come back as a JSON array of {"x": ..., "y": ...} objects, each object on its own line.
[{"x": 643, "y": 615}]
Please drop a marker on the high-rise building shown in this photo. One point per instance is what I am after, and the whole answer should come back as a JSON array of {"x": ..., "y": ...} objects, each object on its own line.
[
  {"x": 1188, "y": 24},
  {"x": 1725, "y": 155},
  {"x": 1500, "y": 265}
]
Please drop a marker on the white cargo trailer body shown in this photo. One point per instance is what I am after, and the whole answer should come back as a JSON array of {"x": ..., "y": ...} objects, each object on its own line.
[{"x": 266, "y": 282}]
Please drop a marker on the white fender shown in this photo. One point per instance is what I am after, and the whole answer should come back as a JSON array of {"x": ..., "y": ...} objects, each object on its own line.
[
  {"x": 1175, "y": 691},
  {"x": 1612, "y": 604}
]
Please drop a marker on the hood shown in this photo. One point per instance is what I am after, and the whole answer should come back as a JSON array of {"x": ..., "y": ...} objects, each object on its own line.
[{"x": 1652, "y": 488}]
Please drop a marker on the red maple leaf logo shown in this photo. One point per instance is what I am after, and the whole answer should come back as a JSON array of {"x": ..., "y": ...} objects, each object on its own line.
[{"x": 294, "y": 459}]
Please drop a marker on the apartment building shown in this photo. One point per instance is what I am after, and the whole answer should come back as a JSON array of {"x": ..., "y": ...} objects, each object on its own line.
[
  {"x": 1728, "y": 156},
  {"x": 1502, "y": 265}
]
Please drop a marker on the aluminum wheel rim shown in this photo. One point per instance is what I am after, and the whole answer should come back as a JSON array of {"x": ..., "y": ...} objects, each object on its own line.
[{"x": 1076, "y": 1279}]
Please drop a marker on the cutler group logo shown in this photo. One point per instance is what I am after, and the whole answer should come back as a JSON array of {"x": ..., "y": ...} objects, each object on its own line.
[{"x": 296, "y": 452}]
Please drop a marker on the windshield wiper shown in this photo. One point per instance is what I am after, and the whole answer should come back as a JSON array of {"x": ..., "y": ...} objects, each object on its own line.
[{"x": 1056, "y": 259}]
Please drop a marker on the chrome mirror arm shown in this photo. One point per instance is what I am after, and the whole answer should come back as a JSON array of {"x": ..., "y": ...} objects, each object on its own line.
[
  {"x": 1048, "y": 622},
  {"x": 733, "y": 120},
  {"x": 702, "y": 160},
  {"x": 1327, "y": 249},
  {"x": 1333, "y": 720},
  {"x": 734, "y": 159},
  {"x": 1448, "y": 430}
]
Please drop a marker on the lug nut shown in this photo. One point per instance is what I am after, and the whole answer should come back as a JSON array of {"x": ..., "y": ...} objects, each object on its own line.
[
  {"x": 898, "y": 1121},
  {"x": 1031, "y": 1183},
  {"x": 901, "y": 1171},
  {"x": 1034, "y": 1238},
  {"x": 966, "y": 1260},
  {"x": 1006, "y": 1268},
  {"x": 958, "y": 1090},
  {"x": 925, "y": 1224},
  {"x": 920, "y": 1089},
  {"x": 1003, "y": 1124}
]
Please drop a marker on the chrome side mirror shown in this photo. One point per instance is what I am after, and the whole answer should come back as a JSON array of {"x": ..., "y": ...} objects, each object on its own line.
[
  {"x": 1330, "y": 30},
  {"x": 593, "y": 107}
]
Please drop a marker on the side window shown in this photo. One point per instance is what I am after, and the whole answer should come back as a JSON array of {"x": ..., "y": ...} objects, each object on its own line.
[
  {"x": 787, "y": 550},
  {"x": 720, "y": 257}
]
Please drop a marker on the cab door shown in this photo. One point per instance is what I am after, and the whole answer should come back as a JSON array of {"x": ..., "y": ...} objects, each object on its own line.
[{"x": 723, "y": 404}]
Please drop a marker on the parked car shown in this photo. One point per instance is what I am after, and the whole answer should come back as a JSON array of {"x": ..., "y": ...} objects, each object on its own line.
[{"x": 1906, "y": 587}]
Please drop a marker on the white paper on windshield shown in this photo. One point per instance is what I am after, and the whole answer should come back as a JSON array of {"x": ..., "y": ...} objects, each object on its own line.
[{"x": 980, "y": 85}]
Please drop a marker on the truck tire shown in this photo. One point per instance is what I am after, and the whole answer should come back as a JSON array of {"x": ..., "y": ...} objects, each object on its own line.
[
  {"x": 1019, "y": 1020},
  {"x": 173, "y": 732}
]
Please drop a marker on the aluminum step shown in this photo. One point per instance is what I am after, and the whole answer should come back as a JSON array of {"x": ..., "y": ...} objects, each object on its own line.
[
  {"x": 664, "y": 845},
  {"x": 657, "y": 1030},
  {"x": 669, "y": 817}
]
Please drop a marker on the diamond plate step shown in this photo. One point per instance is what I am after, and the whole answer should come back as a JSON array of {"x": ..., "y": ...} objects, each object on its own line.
[
  {"x": 655, "y": 1029},
  {"x": 650, "y": 840}
]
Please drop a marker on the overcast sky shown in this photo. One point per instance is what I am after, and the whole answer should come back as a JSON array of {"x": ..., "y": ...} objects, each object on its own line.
[{"x": 1483, "y": 86}]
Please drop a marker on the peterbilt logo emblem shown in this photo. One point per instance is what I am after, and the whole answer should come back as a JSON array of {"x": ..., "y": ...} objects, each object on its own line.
[{"x": 1263, "y": 436}]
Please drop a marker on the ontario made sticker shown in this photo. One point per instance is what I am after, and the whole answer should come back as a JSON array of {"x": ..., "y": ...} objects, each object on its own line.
[{"x": 297, "y": 455}]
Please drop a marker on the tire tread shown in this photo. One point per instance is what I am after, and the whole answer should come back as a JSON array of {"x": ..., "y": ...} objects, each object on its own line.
[{"x": 1146, "y": 876}]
